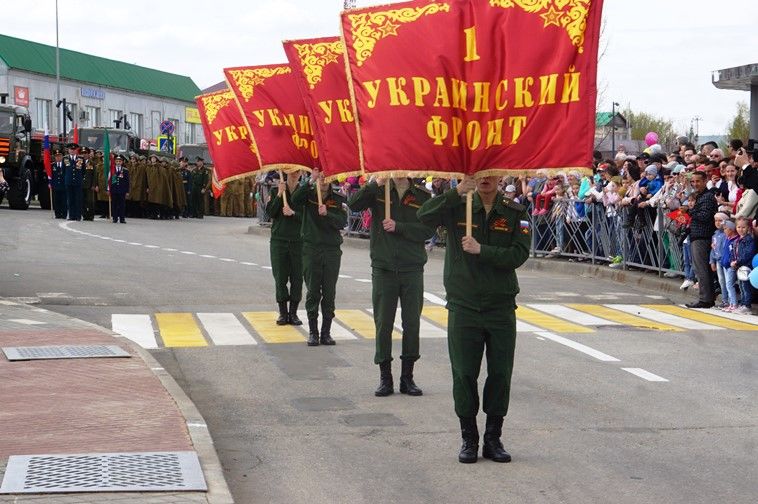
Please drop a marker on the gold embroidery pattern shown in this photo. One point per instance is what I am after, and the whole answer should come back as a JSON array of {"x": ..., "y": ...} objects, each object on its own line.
[
  {"x": 246, "y": 79},
  {"x": 215, "y": 102},
  {"x": 314, "y": 57},
  {"x": 570, "y": 15},
  {"x": 370, "y": 27}
]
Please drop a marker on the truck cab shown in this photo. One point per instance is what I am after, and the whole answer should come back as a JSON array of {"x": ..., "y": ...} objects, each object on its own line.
[{"x": 21, "y": 170}]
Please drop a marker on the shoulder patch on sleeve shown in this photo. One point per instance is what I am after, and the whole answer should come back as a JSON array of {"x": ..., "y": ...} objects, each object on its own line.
[{"x": 513, "y": 205}]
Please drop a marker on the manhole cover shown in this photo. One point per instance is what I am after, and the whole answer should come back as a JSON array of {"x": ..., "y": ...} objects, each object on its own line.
[
  {"x": 103, "y": 472},
  {"x": 64, "y": 352}
]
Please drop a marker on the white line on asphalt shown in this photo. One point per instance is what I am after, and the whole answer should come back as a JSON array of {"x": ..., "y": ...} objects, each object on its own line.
[
  {"x": 645, "y": 375},
  {"x": 226, "y": 259},
  {"x": 8, "y": 303},
  {"x": 266, "y": 267},
  {"x": 119, "y": 240},
  {"x": 434, "y": 299},
  {"x": 362, "y": 280},
  {"x": 105, "y": 237},
  {"x": 524, "y": 327},
  {"x": 152, "y": 246},
  {"x": 578, "y": 346},
  {"x": 135, "y": 243},
  {"x": 138, "y": 328},
  {"x": 540, "y": 338},
  {"x": 225, "y": 329},
  {"x": 344, "y": 276},
  {"x": 188, "y": 252},
  {"x": 426, "y": 329},
  {"x": 247, "y": 263},
  {"x": 169, "y": 249},
  {"x": 748, "y": 319},
  {"x": 665, "y": 318},
  {"x": 651, "y": 296},
  {"x": 26, "y": 321},
  {"x": 570, "y": 314},
  {"x": 39, "y": 310}
]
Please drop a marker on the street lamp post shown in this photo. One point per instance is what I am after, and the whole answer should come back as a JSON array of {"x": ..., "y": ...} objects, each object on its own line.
[{"x": 613, "y": 127}]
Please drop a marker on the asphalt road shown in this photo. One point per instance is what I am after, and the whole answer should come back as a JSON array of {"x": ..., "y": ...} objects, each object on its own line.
[{"x": 296, "y": 424}]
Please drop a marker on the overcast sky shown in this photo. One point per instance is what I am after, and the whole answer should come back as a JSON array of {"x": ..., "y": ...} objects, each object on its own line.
[{"x": 658, "y": 54}]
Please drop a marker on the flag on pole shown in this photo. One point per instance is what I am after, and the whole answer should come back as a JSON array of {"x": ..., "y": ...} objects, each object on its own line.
[
  {"x": 46, "y": 159},
  {"x": 107, "y": 159},
  {"x": 76, "y": 133}
]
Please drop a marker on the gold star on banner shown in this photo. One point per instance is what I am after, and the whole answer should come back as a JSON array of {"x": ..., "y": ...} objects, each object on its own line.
[
  {"x": 257, "y": 80},
  {"x": 552, "y": 17},
  {"x": 389, "y": 28},
  {"x": 330, "y": 57}
]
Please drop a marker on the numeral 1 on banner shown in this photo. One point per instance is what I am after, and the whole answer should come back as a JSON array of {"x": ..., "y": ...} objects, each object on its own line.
[{"x": 471, "y": 54}]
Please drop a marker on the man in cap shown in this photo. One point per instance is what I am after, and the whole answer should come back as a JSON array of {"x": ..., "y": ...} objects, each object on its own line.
[
  {"x": 119, "y": 189},
  {"x": 397, "y": 272},
  {"x": 74, "y": 178},
  {"x": 73, "y": 152},
  {"x": 89, "y": 182},
  {"x": 58, "y": 184},
  {"x": 702, "y": 228},
  {"x": 481, "y": 284},
  {"x": 323, "y": 223},
  {"x": 200, "y": 182},
  {"x": 185, "y": 170}
]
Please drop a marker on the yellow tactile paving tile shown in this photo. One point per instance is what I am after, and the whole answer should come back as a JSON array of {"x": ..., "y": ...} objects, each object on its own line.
[
  {"x": 437, "y": 314},
  {"x": 623, "y": 318},
  {"x": 360, "y": 323},
  {"x": 179, "y": 330},
  {"x": 549, "y": 322},
  {"x": 264, "y": 323},
  {"x": 703, "y": 317}
]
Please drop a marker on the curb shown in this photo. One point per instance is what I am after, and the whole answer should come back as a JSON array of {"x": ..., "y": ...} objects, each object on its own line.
[
  {"x": 218, "y": 490},
  {"x": 641, "y": 279}
]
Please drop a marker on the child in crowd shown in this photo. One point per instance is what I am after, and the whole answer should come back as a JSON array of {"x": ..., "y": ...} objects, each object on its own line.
[
  {"x": 557, "y": 216},
  {"x": 545, "y": 198},
  {"x": 717, "y": 247},
  {"x": 728, "y": 295},
  {"x": 742, "y": 255}
]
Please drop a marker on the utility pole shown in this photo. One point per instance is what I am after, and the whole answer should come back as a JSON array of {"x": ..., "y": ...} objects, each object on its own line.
[
  {"x": 58, "y": 72},
  {"x": 613, "y": 128},
  {"x": 697, "y": 120}
]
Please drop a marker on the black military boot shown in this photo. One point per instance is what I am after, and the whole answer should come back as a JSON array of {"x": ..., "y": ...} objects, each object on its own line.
[
  {"x": 493, "y": 448},
  {"x": 284, "y": 317},
  {"x": 470, "y": 448},
  {"x": 407, "y": 386},
  {"x": 386, "y": 387},
  {"x": 326, "y": 332},
  {"x": 294, "y": 319},
  {"x": 313, "y": 329}
]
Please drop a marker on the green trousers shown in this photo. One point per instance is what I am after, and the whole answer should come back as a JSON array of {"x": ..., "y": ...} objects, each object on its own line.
[
  {"x": 469, "y": 335},
  {"x": 387, "y": 288},
  {"x": 287, "y": 267},
  {"x": 321, "y": 267}
]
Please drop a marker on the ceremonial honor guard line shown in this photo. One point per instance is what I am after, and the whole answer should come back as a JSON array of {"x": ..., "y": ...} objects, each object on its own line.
[{"x": 251, "y": 328}]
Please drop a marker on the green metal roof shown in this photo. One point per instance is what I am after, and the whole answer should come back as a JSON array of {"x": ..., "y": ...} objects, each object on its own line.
[
  {"x": 29, "y": 56},
  {"x": 602, "y": 118}
]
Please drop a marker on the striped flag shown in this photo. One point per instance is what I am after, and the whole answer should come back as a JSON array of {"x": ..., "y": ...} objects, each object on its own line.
[{"x": 46, "y": 159}]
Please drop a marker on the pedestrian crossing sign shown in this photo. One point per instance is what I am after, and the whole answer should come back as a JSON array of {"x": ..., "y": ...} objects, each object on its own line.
[{"x": 167, "y": 144}]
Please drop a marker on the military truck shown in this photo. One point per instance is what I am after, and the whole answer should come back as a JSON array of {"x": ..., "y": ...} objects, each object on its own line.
[
  {"x": 121, "y": 141},
  {"x": 192, "y": 151},
  {"x": 21, "y": 158}
]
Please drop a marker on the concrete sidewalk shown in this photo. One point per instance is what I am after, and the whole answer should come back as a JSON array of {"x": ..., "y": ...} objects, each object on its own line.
[{"x": 94, "y": 405}]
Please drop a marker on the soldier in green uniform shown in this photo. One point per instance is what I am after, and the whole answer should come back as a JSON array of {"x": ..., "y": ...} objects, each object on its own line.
[
  {"x": 286, "y": 249},
  {"x": 481, "y": 284},
  {"x": 322, "y": 237},
  {"x": 89, "y": 182},
  {"x": 199, "y": 187},
  {"x": 397, "y": 271}
]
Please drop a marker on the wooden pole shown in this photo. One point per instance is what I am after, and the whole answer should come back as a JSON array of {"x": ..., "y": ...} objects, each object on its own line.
[
  {"x": 284, "y": 194},
  {"x": 318, "y": 192},
  {"x": 469, "y": 211},
  {"x": 50, "y": 189},
  {"x": 387, "y": 200},
  {"x": 110, "y": 207}
]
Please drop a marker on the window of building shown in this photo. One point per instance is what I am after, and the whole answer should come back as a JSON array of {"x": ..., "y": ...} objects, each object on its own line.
[
  {"x": 91, "y": 116},
  {"x": 191, "y": 133},
  {"x": 135, "y": 121},
  {"x": 44, "y": 108},
  {"x": 115, "y": 115}
]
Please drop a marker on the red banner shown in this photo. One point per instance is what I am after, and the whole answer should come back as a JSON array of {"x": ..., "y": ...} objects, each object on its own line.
[
  {"x": 227, "y": 136},
  {"x": 474, "y": 86},
  {"x": 319, "y": 65},
  {"x": 275, "y": 113}
]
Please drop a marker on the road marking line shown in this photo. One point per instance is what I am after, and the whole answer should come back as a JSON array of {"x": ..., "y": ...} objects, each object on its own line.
[
  {"x": 121, "y": 241},
  {"x": 26, "y": 321},
  {"x": 623, "y": 318},
  {"x": 8, "y": 303},
  {"x": 245, "y": 263},
  {"x": 434, "y": 299},
  {"x": 603, "y": 297},
  {"x": 169, "y": 249},
  {"x": 344, "y": 276},
  {"x": 654, "y": 297},
  {"x": 362, "y": 280},
  {"x": 208, "y": 256},
  {"x": 266, "y": 267},
  {"x": 545, "y": 321},
  {"x": 395, "y": 323},
  {"x": 226, "y": 259},
  {"x": 225, "y": 329},
  {"x": 152, "y": 246},
  {"x": 571, "y": 314},
  {"x": 338, "y": 331},
  {"x": 179, "y": 330},
  {"x": 188, "y": 252},
  {"x": 138, "y": 328},
  {"x": 710, "y": 317},
  {"x": 645, "y": 375},
  {"x": 361, "y": 323},
  {"x": 436, "y": 314},
  {"x": 747, "y": 319},
  {"x": 426, "y": 330},
  {"x": 666, "y": 318},
  {"x": 264, "y": 324},
  {"x": 133, "y": 243},
  {"x": 578, "y": 346}
]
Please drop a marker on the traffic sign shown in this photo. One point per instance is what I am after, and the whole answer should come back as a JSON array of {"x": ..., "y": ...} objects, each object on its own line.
[{"x": 167, "y": 127}]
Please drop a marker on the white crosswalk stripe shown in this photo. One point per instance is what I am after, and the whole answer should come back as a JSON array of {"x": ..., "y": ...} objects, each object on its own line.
[
  {"x": 426, "y": 329},
  {"x": 570, "y": 314},
  {"x": 664, "y": 318},
  {"x": 137, "y": 327},
  {"x": 225, "y": 329}
]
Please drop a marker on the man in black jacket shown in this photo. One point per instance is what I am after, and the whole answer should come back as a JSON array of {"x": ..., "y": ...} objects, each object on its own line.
[{"x": 702, "y": 228}]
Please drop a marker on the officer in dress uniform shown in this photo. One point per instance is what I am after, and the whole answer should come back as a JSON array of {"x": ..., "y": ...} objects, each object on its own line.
[
  {"x": 186, "y": 172},
  {"x": 74, "y": 178},
  {"x": 89, "y": 181},
  {"x": 58, "y": 184},
  {"x": 397, "y": 271},
  {"x": 119, "y": 189},
  {"x": 286, "y": 249},
  {"x": 481, "y": 284},
  {"x": 322, "y": 237},
  {"x": 200, "y": 183}
]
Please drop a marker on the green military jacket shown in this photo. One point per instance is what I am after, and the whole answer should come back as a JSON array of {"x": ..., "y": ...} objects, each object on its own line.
[
  {"x": 318, "y": 231},
  {"x": 402, "y": 250},
  {"x": 284, "y": 228},
  {"x": 486, "y": 281}
]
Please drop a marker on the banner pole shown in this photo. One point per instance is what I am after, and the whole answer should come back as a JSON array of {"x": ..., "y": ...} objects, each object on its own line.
[
  {"x": 52, "y": 210},
  {"x": 110, "y": 205},
  {"x": 387, "y": 202},
  {"x": 284, "y": 194},
  {"x": 469, "y": 212},
  {"x": 318, "y": 192}
]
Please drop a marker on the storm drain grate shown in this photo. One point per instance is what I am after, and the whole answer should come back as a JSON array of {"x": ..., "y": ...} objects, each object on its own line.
[
  {"x": 104, "y": 472},
  {"x": 64, "y": 352}
]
